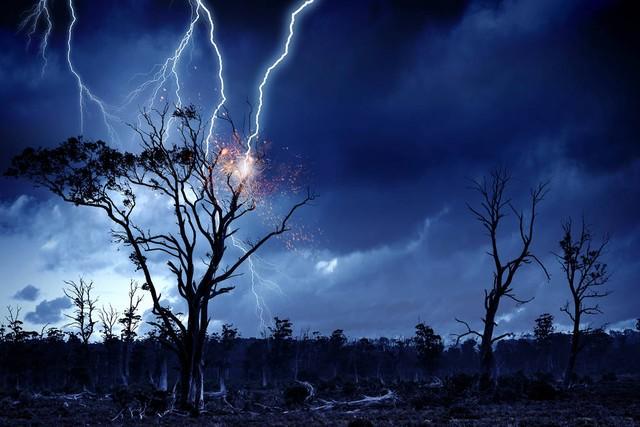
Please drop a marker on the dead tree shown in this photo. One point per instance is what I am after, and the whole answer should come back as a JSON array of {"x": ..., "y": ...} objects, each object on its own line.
[
  {"x": 108, "y": 321},
  {"x": 586, "y": 275},
  {"x": 494, "y": 206},
  {"x": 85, "y": 305},
  {"x": 130, "y": 321},
  {"x": 209, "y": 188}
]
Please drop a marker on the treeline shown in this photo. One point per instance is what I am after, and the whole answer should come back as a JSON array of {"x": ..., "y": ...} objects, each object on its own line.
[{"x": 61, "y": 361}]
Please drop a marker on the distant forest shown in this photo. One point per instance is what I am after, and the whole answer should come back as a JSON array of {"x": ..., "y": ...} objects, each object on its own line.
[{"x": 57, "y": 361}]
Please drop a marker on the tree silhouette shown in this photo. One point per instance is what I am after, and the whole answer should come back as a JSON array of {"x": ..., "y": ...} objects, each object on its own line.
[
  {"x": 543, "y": 328},
  {"x": 586, "y": 274},
  {"x": 85, "y": 305},
  {"x": 108, "y": 319},
  {"x": 281, "y": 346},
  {"x": 493, "y": 208},
  {"x": 130, "y": 321},
  {"x": 208, "y": 191},
  {"x": 429, "y": 347}
]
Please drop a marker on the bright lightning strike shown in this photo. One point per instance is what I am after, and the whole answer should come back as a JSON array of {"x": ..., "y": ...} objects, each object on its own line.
[
  {"x": 223, "y": 98},
  {"x": 169, "y": 68},
  {"x": 258, "y": 281},
  {"x": 82, "y": 88},
  {"x": 38, "y": 13},
  {"x": 272, "y": 67},
  {"x": 166, "y": 71}
]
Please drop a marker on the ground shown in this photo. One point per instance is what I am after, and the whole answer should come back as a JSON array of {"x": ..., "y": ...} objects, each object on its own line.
[{"x": 603, "y": 403}]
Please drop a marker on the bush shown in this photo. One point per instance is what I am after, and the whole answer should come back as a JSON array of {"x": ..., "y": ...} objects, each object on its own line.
[
  {"x": 609, "y": 377},
  {"x": 360, "y": 422},
  {"x": 511, "y": 387},
  {"x": 541, "y": 390},
  {"x": 460, "y": 383},
  {"x": 295, "y": 395},
  {"x": 136, "y": 398},
  {"x": 349, "y": 389}
]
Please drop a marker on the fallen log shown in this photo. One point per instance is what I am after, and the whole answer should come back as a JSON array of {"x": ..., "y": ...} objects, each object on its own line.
[{"x": 388, "y": 397}]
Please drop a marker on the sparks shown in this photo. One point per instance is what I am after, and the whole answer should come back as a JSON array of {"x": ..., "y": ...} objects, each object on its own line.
[{"x": 239, "y": 162}]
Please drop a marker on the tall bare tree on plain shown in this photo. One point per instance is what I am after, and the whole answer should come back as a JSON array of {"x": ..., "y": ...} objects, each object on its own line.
[
  {"x": 84, "y": 307},
  {"x": 209, "y": 189},
  {"x": 494, "y": 206},
  {"x": 130, "y": 321},
  {"x": 586, "y": 275}
]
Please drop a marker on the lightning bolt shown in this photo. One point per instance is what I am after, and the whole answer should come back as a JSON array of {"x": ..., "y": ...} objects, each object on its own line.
[
  {"x": 223, "y": 98},
  {"x": 169, "y": 68},
  {"x": 40, "y": 11},
  {"x": 258, "y": 281},
  {"x": 161, "y": 74},
  {"x": 82, "y": 88},
  {"x": 261, "y": 306},
  {"x": 272, "y": 67}
]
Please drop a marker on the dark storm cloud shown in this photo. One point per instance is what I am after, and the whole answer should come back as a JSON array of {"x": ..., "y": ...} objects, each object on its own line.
[
  {"x": 49, "y": 311},
  {"x": 28, "y": 293},
  {"x": 393, "y": 107}
]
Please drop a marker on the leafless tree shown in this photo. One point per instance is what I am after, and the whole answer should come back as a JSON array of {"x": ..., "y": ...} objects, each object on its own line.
[
  {"x": 130, "y": 321},
  {"x": 494, "y": 206},
  {"x": 586, "y": 275},
  {"x": 131, "y": 317},
  {"x": 108, "y": 320},
  {"x": 84, "y": 307},
  {"x": 15, "y": 326},
  {"x": 209, "y": 189}
]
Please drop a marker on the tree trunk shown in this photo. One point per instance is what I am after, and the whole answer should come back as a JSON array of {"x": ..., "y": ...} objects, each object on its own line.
[
  {"x": 221, "y": 381},
  {"x": 487, "y": 362},
  {"x": 264, "y": 377},
  {"x": 575, "y": 347},
  {"x": 192, "y": 361},
  {"x": 162, "y": 381},
  {"x": 126, "y": 357}
]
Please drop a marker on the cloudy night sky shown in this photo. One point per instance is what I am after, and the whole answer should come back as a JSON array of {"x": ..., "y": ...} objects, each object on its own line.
[{"x": 391, "y": 108}]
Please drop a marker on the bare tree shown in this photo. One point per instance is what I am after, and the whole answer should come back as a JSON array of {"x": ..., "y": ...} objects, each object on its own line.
[
  {"x": 131, "y": 317},
  {"x": 586, "y": 275},
  {"x": 209, "y": 188},
  {"x": 108, "y": 320},
  {"x": 82, "y": 318},
  {"x": 493, "y": 208},
  {"x": 15, "y": 326},
  {"x": 130, "y": 321}
]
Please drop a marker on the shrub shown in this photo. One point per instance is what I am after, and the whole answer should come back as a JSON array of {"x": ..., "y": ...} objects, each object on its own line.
[
  {"x": 609, "y": 377},
  {"x": 460, "y": 383},
  {"x": 541, "y": 390},
  {"x": 360, "y": 422},
  {"x": 295, "y": 395}
]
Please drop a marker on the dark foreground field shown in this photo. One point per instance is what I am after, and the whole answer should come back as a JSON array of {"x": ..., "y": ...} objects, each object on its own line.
[{"x": 520, "y": 402}]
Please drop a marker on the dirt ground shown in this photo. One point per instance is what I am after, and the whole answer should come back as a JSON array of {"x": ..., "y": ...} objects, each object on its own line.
[{"x": 615, "y": 403}]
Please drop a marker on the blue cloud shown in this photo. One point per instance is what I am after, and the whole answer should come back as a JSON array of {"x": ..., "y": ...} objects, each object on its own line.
[
  {"x": 49, "y": 311},
  {"x": 28, "y": 293}
]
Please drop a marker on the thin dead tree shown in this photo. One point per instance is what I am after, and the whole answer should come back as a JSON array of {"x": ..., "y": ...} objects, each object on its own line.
[
  {"x": 108, "y": 320},
  {"x": 209, "y": 187},
  {"x": 85, "y": 306},
  {"x": 130, "y": 322},
  {"x": 581, "y": 261},
  {"x": 494, "y": 206}
]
